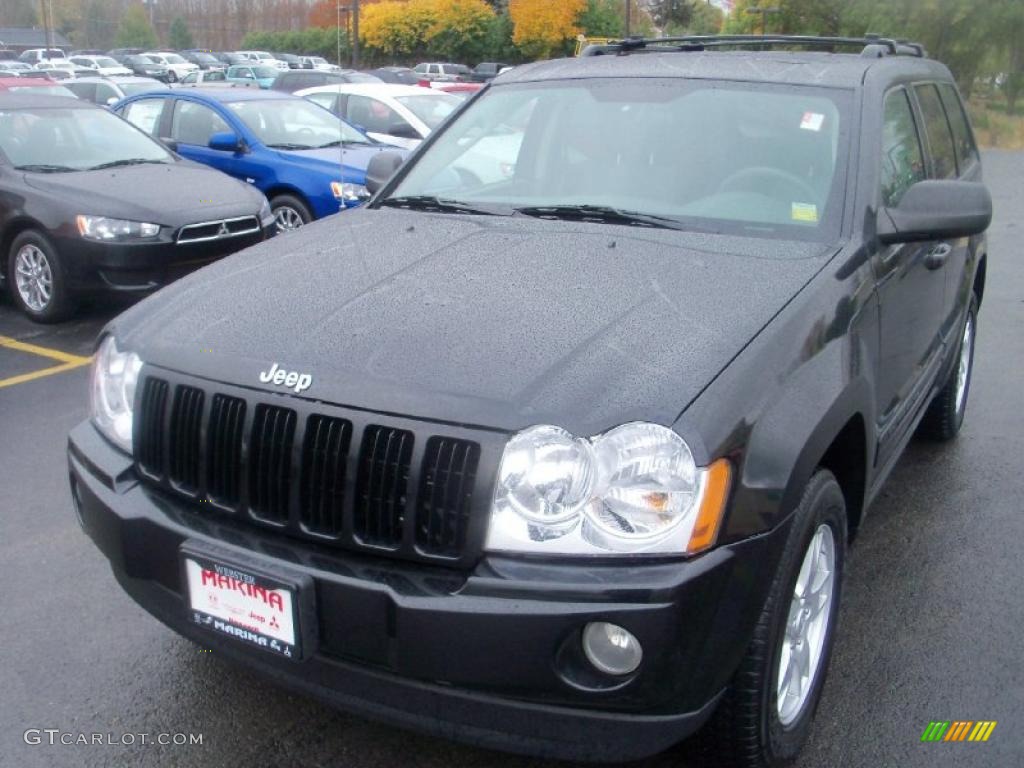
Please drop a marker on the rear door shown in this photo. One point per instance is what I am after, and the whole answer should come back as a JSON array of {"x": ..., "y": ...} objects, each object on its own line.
[{"x": 911, "y": 291}]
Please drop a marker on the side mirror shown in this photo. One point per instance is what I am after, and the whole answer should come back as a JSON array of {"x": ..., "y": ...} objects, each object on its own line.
[
  {"x": 403, "y": 130},
  {"x": 225, "y": 141},
  {"x": 937, "y": 210},
  {"x": 170, "y": 143},
  {"x": 112, "y": 101},
  {"x": 382, "y": 167}
]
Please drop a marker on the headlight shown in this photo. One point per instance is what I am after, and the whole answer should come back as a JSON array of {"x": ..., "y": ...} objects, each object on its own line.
[
  {"x": 102, "y": 228},
  {"x": 635, "y": 489},
  {"x": 349, "y": 192},
  {"x": 114, "y": 375}
]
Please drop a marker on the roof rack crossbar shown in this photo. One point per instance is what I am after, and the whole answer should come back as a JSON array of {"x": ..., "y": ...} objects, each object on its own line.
[{"x": 703, "y": 42}]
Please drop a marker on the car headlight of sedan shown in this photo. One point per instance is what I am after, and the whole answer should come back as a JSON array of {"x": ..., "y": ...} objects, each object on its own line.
[
  {"x": 349, "y": 193},
  {"x": 114, "y": 376},
  {"x": 635, "y": 489},
  {"x": 106, "y": 229}
]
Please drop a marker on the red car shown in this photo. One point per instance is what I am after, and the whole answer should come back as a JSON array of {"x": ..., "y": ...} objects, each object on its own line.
[{"x": 38, "y": 85}]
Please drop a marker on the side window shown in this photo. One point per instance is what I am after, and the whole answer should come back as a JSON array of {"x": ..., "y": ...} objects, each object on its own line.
[
  {"x": 434, "y": 69},
  {"x": 191, "y": 77},
  {"x": 421, "y": 69},
  {"x": 374, "y": 116},
  {"x": 902, "y": 160},
  {"x": 940, "y": 140},
  {"x": 194, "y": 123},
  {"x": 104, "y": 93},
  {"x": 325, "y": 100},
  {"x": 86, "y": 91},
  {"x": 145, "y": 114},
  {"x": 966, "y": 151}
]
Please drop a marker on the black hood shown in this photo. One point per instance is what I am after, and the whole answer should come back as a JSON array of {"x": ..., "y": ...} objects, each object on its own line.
[
  {"x": 490, "y": 321},
  {"x": 171, "y": 194}
]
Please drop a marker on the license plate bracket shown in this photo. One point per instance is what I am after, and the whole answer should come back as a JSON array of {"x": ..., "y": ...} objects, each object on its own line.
[{"x": 261, "y": 605}]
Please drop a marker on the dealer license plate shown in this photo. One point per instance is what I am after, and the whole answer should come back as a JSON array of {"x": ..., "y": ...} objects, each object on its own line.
[{"x": 250, "y": 607}]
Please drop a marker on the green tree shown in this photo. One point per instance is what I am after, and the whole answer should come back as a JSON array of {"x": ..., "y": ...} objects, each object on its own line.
[
  {"x": 602, "y": 18},
  {"x": 135, "y": 31},
  {"x": 178, "y": 36}
]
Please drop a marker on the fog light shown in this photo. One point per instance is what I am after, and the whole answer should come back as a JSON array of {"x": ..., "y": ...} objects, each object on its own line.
[{"x": 611, "y": 649}]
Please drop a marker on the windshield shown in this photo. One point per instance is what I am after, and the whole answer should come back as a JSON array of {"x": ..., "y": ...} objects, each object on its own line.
[
  {"x": 261, "y": 71},
  {"x": 174, "y": 58},
  {"x": 54, "y": 140},
  {"x": 318, "y": 59},
  {"x": 431, "y": 108},
  {"x": 711, "y": 156},
  {"x": 44, "y": 90},
  {"x": 294, "y": 124},
  {"x": 105, "y": 61}
]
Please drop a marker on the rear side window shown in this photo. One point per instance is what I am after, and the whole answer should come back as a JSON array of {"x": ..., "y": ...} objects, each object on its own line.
[
  {"x": 85, "y": 91},
  {"x": 144, "y": 114},
  {"x": 966, "y": 151},
  {"x": 902, "y": 159},
  {"x": 940, "y": 139},
  {"x": 195, "y": 123}
]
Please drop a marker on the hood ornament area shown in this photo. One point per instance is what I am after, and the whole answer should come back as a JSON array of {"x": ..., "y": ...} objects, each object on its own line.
[{"x": 299, "y": 382}]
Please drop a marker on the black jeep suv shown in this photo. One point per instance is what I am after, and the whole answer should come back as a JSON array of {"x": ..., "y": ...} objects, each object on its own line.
[{"x": 557, "y": 445}]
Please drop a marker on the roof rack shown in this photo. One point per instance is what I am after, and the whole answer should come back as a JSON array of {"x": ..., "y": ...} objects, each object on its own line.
[{"x": 872, "y": 46}]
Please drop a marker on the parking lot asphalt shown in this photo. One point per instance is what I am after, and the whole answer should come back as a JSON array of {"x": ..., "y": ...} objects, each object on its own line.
[{"x": 932, "y": 623}]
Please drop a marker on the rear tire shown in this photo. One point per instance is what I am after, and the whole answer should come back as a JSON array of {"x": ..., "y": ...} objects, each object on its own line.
[
  {"x": 289, "y": 213},
  {"x": 945, "y": 414},
  {"x": 750, "y": 729},
  {"x": 37, "y": 280}
]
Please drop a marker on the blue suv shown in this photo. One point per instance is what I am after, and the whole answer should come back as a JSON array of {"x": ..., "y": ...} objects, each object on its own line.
[{"x": 308, "y": 162}]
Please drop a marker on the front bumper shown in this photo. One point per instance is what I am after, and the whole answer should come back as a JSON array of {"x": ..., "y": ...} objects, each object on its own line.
[
  {"x": 490, "y": 657},
  {"x": 141, "y": 266}
]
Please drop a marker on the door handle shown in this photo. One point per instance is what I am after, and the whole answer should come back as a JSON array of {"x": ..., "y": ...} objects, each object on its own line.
[{"x": 937, "y": 256}]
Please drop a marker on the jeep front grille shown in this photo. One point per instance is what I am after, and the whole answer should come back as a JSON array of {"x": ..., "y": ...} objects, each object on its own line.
[{"x": 341, "y": 477}]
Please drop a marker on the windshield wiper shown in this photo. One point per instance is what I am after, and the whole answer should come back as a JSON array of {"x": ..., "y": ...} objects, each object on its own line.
[
  {"x": 599, "y": 213},
  {"x": 128, "y": 161},
  {"x": 286, "y": 145},
  {"x": 43, "y": 168},
  {"x": 441, "y": 205}
]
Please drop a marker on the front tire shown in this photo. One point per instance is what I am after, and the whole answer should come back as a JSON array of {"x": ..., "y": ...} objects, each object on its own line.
[
  {"x": 765, "y": 716},
  {"x": 37, "y": 279},
  {"x": 945, "y": 414},
  {"x": 289, "y": 213}
]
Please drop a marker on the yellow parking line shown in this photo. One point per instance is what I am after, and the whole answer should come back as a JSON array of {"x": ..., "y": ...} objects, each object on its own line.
[
  {"x": 67, "y": 362},
  {"x": 53, "y": 354}
]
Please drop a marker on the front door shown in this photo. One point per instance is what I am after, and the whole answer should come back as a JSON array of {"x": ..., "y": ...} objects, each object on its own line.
[{"x": 911, "y": 287}]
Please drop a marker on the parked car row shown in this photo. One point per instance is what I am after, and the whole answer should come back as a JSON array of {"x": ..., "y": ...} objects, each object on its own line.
[{"x": 93, "y": 202}]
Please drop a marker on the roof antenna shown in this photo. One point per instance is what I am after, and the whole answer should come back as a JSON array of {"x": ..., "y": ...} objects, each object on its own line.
[{"x": 341, "y": 122}]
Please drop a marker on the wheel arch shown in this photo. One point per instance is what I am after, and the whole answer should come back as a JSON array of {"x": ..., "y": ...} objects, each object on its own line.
[{"x": 10, "y": 232}]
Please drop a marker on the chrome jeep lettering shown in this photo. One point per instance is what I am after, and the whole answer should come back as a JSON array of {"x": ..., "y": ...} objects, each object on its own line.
[{"x": 299, "y": 382}]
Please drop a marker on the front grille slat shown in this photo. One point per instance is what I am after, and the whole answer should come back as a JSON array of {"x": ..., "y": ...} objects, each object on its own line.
[
  {"x": 271, "y": 450},
  {"x": 325, "y": 455},
  {"x": 380, "y": 493},
  {"x": 227, "y": 415},
  {"x": 310, "y": 473},
  {"x": 186, "y": 421},
  {"x": 151, "y": 430},
  {"x": 446, "y": 486}
]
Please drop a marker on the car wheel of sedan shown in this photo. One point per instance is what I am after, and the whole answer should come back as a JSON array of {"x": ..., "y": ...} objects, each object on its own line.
[
  {"x": 945, "y": 415},
  {"x": 765, "y": 716},
  {"x": 289, "y": 213},
  {"x": 36, "y": 278}
]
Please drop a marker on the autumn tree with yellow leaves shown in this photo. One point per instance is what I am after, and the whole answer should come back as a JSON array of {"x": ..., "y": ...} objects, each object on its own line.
[
  {"x": 542, "y": 27},
  {"x": 456, "y": 30}
]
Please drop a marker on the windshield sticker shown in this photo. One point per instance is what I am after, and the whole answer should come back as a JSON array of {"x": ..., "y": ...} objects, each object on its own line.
[
  {"x": 812, "y": 121},
  {"x": 805, "y": 212}
]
